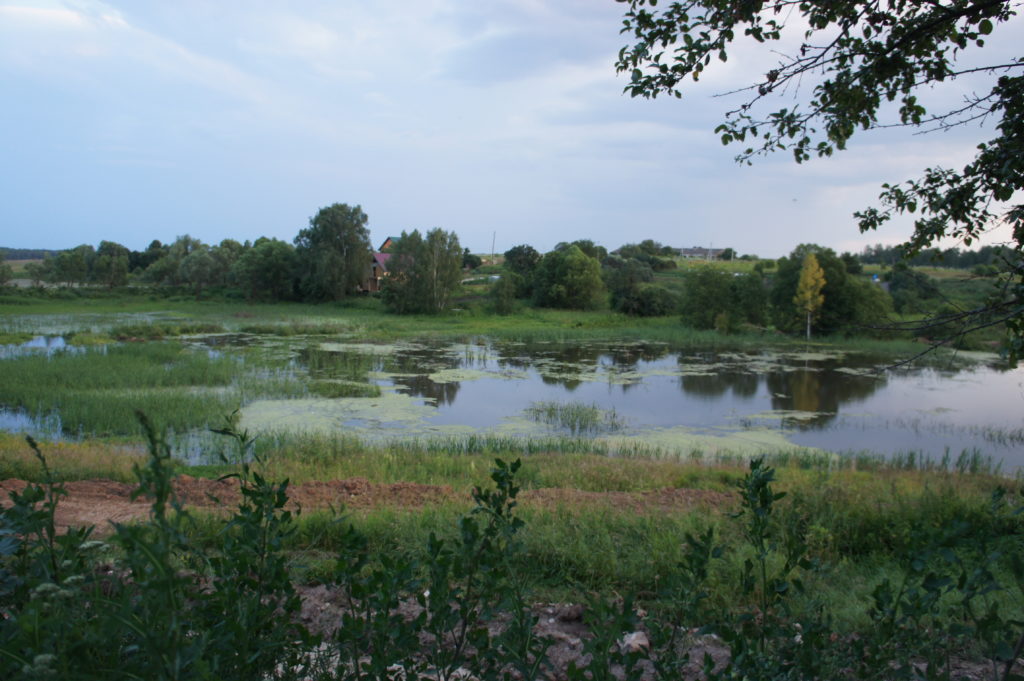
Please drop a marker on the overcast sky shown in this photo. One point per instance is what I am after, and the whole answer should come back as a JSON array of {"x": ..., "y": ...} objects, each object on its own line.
[{"x": 146, "y": 119}]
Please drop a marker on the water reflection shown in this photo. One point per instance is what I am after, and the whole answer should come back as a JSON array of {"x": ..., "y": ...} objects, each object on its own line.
[
  {"x": 422, "y": 386},
  {"x": 815, "y": 400},
  {"x": 38, "y": 345},
  {"x": 18, "y": 421},
  {"x": 338, "y": 365},
  {"x": 819, "y": 393},
  {"x": 742, "y": 384}
]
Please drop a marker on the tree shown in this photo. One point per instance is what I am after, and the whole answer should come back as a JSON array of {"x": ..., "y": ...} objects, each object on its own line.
[
  {"x": 588, "y": 247},
  {"x": 912, "y": 291},
  {"x": 522, "y": 260},
  {"x": 226, "y": 254},
  {"x": 809, "y": 298},
  {"x": 111, "y": 265},
  {"x": 858, "y": 56},
  {"x": 502, "y": 294},
  {"x": 6, "y": 272},
  {"x": 267, "y": 270},
  {"x": 72, "y": 266},
  {"x": 848, "y": 304},
  {"x": 852, "y": 262},
  {"x": 37, "y": 272},
  {"x": 139, "y": 261},
  {"x": 623, "y": 277},
  {"x": 333, "y": 252},
  {"x": 470, "y": 261},
  {"x": 199, "y": 269},
  {"x": 714, "y": 298},
  {"x": 569, "y": 278},
  {"x": 423, "y": 272}
]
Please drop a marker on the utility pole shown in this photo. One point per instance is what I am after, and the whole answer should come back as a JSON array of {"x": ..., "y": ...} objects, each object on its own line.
[{"x": 494, "y": 235}]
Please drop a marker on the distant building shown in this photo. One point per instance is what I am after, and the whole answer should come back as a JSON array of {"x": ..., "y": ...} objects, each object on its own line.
[
  {"x": 378, "y": 267},
  {"x": 700, "y": 253}
]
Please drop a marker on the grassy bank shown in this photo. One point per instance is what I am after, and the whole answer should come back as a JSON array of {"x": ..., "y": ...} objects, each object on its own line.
[{"x": 365, "y": 319}]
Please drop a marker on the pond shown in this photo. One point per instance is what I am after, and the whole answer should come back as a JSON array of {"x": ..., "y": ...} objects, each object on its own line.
[
  {"x": 627, "y": 397},
  {"x": 631, "y": 393}
]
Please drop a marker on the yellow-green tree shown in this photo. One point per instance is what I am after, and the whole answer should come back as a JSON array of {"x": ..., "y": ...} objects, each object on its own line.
[{"x": 809, "y": 297}]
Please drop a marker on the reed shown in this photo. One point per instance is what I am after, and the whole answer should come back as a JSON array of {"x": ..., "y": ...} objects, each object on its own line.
[
  {"x": 576, "y": 417},
  {"x": 95, "y": 392}
]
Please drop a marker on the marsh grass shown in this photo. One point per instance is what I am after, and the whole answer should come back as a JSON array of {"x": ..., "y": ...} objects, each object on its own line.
[
  {"x": 366, "y": 319},
  {"x": 576, "y": 417},
  {"x": 70, "y": 460},
  {"x": 161, "y": 330},
  {"x": 15, "y": 337},
  {"x": 298, "y": 328},
  {"x": 88, "y": 339},
  {"x": 95, "y": 392}
]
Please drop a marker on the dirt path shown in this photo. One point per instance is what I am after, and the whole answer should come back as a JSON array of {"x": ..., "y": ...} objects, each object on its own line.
[{"x": 100, "y": 502}]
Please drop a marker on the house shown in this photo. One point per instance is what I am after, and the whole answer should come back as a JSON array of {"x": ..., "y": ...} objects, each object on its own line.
[
  {"x": 378, "y": 270},
  {"x": 701, "y": 253},
  {"x": 378, "y": 267}
]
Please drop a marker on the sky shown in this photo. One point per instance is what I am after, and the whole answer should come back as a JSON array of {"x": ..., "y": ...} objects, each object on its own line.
[{"x": 503, "y": 121}]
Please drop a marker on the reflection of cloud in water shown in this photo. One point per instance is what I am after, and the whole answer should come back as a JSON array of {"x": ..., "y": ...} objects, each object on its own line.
[{"x": 715, "y": 384}]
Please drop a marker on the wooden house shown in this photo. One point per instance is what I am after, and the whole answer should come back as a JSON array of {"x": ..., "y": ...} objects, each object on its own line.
[{"x": 378, "y": 267}]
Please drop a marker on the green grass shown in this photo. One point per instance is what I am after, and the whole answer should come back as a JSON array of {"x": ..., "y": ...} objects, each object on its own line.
[
  {"x": 857, "y": 522},
  {"x": 366, "y": 320},
  {"x": 857, "y": 526}
]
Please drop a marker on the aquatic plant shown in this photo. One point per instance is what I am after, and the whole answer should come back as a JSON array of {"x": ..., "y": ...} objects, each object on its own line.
[{"x": 576, "y": 417}]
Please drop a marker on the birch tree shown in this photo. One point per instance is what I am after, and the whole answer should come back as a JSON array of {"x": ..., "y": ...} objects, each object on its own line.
[{"x": 809, "y": 298}]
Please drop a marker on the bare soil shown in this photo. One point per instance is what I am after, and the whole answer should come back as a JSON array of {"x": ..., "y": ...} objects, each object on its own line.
[{"x": 102, "y": 502}]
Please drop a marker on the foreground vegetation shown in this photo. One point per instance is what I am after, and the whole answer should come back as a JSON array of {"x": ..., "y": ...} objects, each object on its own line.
[{"x": 820, "y": 573}]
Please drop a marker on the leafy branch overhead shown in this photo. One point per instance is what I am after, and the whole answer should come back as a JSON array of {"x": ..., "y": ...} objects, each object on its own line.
[{"x": 860, "y": 60}]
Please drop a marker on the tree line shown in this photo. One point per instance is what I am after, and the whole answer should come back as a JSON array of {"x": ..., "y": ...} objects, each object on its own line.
[
  {"x": 955, "y": 258},
  {"x": 582, "y": 275},
  {"x": 331, "y": 259},
  {"x": 327, "y": 261}
]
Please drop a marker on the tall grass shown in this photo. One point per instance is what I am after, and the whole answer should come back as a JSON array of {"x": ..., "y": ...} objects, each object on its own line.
[
  {"x": 96, "y": 392},
  {"x": 576, "y": 417}
]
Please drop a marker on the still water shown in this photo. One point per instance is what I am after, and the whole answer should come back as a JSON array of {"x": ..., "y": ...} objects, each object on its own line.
[
  {"x": 635, "y": 394},
  {"x": 682, "y": 400}
]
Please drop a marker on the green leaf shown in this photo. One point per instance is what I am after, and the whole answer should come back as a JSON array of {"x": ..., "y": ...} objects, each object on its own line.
[{"x": 985, "y": 27}]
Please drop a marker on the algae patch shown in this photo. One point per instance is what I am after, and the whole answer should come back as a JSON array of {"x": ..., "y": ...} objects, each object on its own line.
[
  {"x": 462, "y": 375},
  {"x": 709, "y": 443}
]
